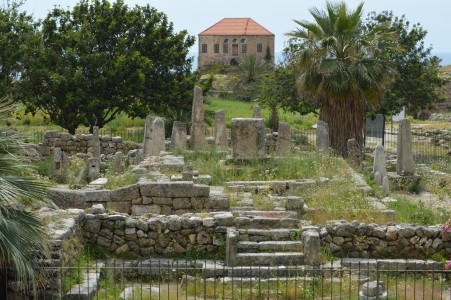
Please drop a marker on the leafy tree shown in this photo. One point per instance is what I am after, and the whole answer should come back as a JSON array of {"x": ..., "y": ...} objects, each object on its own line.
[
  {"x": 340, "y": 66},
  {"x": 278, "y": 90},
  {"x": 417, "y": 84},
  {"x": 102, "y": 58},
  {"x": 21, "y": 232},
  {"x": 17, "y": 36}
]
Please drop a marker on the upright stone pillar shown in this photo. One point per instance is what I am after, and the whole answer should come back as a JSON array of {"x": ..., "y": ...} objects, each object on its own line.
[
  {"x": 404, "y": 162},
  {"x": 178, "y": 136},
  {"x": 57, "y": 162},
  {"x": 197, "y": 140},
  {"x": 322, "y": 137},
  {"x": 158, "y": 140},
  {"x": 283, "y": 146},
  {"x": 256, "y": 112},
  {"x": 221, "y": 139},
  {"x": 148, "y": 127},
  {"x": 379, "y": 163},
  {"x": 95, "y": 142},
  {"x": 248, "y": 139},
  {"x": 93, "y": 168},
  {"x": 118, "y": 166}
]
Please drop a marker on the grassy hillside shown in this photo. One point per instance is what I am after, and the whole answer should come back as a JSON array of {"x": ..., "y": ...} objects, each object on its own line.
[{"x": 240, "y": 109}]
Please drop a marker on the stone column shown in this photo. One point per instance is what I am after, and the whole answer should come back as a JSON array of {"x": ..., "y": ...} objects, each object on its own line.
[
  {"x": 322, "y": 137},
  {"x": 157, "y": 137},
  {"x": 256, "y": 112},
  {"x": 404, "y": 162},
  {"x": 95, "y": 142},
  {"x": 379, "y": 163},
  {"x": 248, "y": 138},
  {"x": 178, "y": 135},
  {"x": 148, "y": 127},
  {"x": 118, "y": 166},
  {"x": 283, "y": 146},
  {"x": 221, "y": 139},
  {"x": 197, "y": 140}
]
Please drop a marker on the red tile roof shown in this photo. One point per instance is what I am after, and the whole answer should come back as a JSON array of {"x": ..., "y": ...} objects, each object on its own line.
[{"x": 236, "y": 26}]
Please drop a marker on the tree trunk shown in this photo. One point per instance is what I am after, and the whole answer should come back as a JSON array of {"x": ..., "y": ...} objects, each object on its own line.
[
  {"x": 3, "y": 283},
  {"x": 345, "y": 120}
]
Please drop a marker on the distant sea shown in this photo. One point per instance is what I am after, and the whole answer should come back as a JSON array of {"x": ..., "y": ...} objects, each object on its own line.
[{"x": 445, "y": 56}]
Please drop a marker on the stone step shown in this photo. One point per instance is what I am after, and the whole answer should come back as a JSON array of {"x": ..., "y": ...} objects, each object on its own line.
[
  {"x": 266, "y": 222},
  {"x": 87, "y": 288},
  {"x": 269, "y": 246},
  {"x": 268, "y": 214},
  {"x": 270, "y": 259},
  {"x": 259, "y": 235}
]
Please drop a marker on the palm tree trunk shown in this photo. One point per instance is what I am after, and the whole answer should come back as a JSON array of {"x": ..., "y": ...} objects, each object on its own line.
[
  {"x": 345, "y": 120},
  {"x": 3, "y": 283}
]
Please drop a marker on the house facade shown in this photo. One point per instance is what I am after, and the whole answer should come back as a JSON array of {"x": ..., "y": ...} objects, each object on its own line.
[{"x": 231, "y": 38}]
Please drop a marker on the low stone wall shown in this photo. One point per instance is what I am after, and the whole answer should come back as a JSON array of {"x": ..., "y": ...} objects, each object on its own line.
[
  {"x": 168, "y": 235},
  {"x": 82, "y": 143},
  {"x": 165, "y": 198},
  {"x": 392, "y": 241}
]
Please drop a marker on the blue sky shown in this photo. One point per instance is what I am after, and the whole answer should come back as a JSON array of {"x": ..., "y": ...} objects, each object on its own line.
[{"x": 277, "y": 16}]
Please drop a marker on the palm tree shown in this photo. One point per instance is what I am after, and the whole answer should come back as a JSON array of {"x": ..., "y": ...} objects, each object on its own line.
[
  {"x": 22, "y": 235},
  {"x": 341, "y": 65}
]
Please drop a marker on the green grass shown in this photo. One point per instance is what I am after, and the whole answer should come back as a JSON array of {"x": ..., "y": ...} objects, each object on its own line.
[
  {"x": 301, "y": 166},
  {"x": 241, "y": 109}
]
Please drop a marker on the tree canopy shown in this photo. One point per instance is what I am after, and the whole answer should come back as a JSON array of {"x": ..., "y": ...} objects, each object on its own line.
[
  {"x": 102, "y": 58},
  {"x": 17, "y": 37},
  {"x": 342, "y": 66},
  {"x": 417, "y": 84}
]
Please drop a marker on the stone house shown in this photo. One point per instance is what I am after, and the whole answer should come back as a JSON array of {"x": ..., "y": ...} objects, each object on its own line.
[{"x": 231, "y": 38}]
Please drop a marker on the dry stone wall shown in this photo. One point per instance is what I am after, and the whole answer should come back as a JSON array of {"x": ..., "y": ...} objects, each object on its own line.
[
  {"x": 83, "y": 143},
  {"x": 392, "y": 241},
  {"x": 168, "y": 235},
  {"x": 165, "y": 198}
]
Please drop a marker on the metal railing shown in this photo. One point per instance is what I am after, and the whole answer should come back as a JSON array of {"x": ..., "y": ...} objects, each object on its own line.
[{"x": 182, "y": 279}]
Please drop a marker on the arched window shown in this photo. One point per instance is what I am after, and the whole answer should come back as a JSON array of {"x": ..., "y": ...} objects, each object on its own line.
[
  {"x": 235, "y": 41},
  {"x": 226, "y": 41},
  {"x": 243, "y": 41}
]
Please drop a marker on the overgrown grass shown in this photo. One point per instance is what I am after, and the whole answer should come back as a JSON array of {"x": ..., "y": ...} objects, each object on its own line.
[
  {"x": 302, "y": 166},
  {"x": 241, "y": 109},
  {"x": 407, "y": 211}
]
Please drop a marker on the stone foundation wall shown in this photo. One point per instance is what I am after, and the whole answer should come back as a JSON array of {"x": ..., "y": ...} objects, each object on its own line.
[
  {"x": 82, "y": 143},
  {"x": 392, "y": 241},
  {"x": 166, "y": 198},
  {"x": 168, "y": 235}
]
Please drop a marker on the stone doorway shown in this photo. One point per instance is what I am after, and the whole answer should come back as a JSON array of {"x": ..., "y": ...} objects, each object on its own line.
[{"x": 234, "y": 62}]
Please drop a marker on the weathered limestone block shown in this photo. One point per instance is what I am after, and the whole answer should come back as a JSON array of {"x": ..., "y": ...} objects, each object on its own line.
[
  {"x": 379, "y": 163},
  {"x": 248, "y": 139},
  {"x": 283, "y": 146},
  {"x": 221, "y": 139},
  {"x": 127, "y": 193},
  {"x": 322, "y": 137},
  {"x": 158, "y": 140},
  {"x": 178, "y": 136},
  {"x": 355, "y": 154},
  {"x": 256, "y": 112},
  {"x": 65, "y": 198},
  {"x": 197, "y": 139},
  {"x": 148, "y": 128}
]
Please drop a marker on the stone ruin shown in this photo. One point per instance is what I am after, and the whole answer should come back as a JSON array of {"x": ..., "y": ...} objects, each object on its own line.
[{"x": 174, "y": 214}]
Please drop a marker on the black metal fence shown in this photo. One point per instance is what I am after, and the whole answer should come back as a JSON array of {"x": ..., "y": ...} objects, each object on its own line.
[
  {"x": 181, "y": 279},
  {"x": 431, "y": 147}
]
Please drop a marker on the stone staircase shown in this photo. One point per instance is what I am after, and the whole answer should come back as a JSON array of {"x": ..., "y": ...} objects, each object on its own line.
[{"x": 264, "y": 239}]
